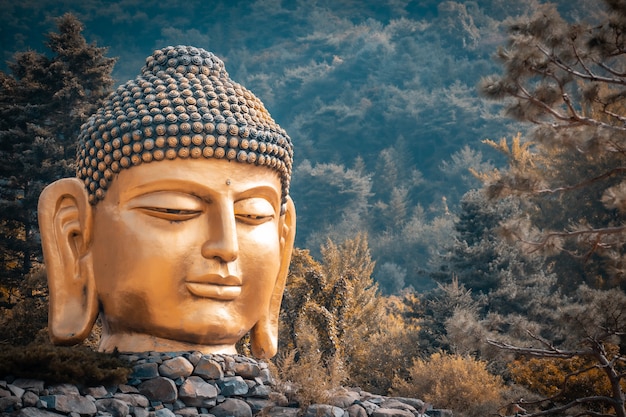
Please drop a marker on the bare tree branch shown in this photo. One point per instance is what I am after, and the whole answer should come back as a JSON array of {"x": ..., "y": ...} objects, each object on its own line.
[
  {"x": 590, "y": 77},
  {"x": 540, "y": 353}
]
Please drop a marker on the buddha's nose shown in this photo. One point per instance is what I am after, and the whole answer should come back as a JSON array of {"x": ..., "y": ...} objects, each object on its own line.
[{"x": 221, "y": 242}]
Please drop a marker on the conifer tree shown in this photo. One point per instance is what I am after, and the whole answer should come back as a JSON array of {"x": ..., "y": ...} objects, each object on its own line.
[
  {"x": 43, "y": 102},
  {"x": 568, "y": 81}
]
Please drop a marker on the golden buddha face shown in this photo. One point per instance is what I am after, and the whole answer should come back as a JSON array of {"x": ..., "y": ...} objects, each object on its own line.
[
  {"x": 178, "y": 228},
  {"x": 189, "y": 248},
  {"x": 186, "y": 255}
]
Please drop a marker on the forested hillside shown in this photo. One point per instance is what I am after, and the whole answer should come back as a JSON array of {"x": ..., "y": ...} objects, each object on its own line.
[
  {"x": 459, "y": 182},
  {"x": 379, "y": 97}
]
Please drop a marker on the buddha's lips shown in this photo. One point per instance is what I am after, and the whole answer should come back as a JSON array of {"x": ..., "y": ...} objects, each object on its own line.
[
  {"x": 215, "y": 286},
  {"x": 214, "y": 291}
]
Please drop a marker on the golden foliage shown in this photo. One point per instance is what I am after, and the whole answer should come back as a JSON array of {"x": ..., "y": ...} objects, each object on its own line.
[
  {"x": 573, "y": 378},
  {"x": 518, "y": 153},
  {"x": 390, "y": 348},
  {"x": 457, "y": 382},
  {"x": 333, "y": 314},
  {"x": 305, "y": 378},
  {"x": 338, "y": 298}
]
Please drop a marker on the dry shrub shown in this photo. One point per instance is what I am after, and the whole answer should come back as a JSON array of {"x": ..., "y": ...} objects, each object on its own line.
[
  {"x": 302, "y": 375},
  {"x": 460, "y": 383},
  {"x": 76, "y": 365},
  {"x": 388, "y": 350},
  {"x": 27, "y": 320},
  {"x": 548, "y": 377}
]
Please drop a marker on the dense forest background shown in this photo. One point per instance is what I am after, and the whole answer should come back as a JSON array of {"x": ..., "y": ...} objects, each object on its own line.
[
  {"x": 459, "y": 182},
  {"x": 379, "y": 97}
]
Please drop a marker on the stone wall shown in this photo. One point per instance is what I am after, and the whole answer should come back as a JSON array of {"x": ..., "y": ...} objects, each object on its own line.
[{"x": 192, "y": 384}]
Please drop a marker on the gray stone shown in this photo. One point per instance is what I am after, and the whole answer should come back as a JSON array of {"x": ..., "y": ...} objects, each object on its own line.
[
  {"x": 187, "y": 412},
  {"x": 35, "y": 412},
  {"x": 356, "y": 410},
  {"x": 282, "y": 412},
  {"x": 140, "y": 412},
  {"x": 247, "y": 370},
  {"x": 197, "y": 393},
  {"x": 63, "y": 389},
  {"x": 208, "y": 369},
  {"x": 96, "y": 392},
  {"x": 392, "y": 412},
  {"x": 164, "y": 412},
  {"x": 266, "y": 376},
  {"x": 69, "y": 403},
  {"x": 369, "y": 406},
  {"x": 136, "y": 400},
  {"x": 10, "y": 403},
  {"x": 34, "y": 385},
  {"x": 229, "y": 363},
  {"x": 373, "y": 398},
  {"x": 418, "y": 404},
  {"x": 117, "y": 408},
  {"x": 323, "y": 410},
  {"x": 127, "y": 389},
  {"x": 194, "y": 357},
  {"x": 49, "y": 401},
  {"x": 178, "y": 404},
  {"x": 176, "y": 367},
  {"x": 29, "y": 399},
  {"x": 398, "y": 405},
  {"x": 159, "y": 389},
  {"x": 5, "y": 393},
  {"x": 145, "y": 371},
  {"x": 232, "y": 385},
  {"x": 261, "y": 391},
  {"x": 17, "y": 391},
  {"x": 344, "y": 398},
  {"x": 258, "y": 404},
  {"x": 440, "y": 413},
  {"x": 232, "y": 407}
]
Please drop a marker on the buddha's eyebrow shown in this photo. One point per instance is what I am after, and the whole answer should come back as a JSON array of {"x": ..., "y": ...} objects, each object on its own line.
[
  {"x": 165, "y": 185},
  {"x": 265, "y": 191}
]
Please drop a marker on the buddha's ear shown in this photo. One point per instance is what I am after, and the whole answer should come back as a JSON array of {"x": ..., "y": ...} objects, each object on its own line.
[
  {"x": 264, "y": 336},
  {"x": 65, "y": 222}
]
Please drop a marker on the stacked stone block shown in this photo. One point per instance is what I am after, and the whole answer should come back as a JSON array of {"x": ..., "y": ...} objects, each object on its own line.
[{"x": 192, "y": 384}]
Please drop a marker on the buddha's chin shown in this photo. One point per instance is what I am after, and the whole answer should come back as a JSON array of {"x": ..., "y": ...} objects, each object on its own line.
[{"x": 137, "y": 342}]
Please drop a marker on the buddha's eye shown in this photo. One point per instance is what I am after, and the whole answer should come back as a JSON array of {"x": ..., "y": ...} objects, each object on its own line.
[
  {"x": 168, "y": 205},
  {"x": 177, "y": 215},
  {"x": 254, "y": 211}
]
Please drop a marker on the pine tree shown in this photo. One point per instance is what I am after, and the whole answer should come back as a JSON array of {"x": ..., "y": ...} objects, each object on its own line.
[
  {"x": 43, "y": 102},
  {"x": 568, "y": 82}
]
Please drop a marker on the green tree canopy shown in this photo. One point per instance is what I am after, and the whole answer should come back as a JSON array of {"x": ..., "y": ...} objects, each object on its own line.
[{"x": 43, "y": 102}]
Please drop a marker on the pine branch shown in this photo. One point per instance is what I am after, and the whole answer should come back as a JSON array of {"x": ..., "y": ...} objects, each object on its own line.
[
  {"x": 540, "y": 353},
  {"x": 546, "y": 237},
  {"x": 574, "y": 403},
  {"x": 590, "y": 77}
]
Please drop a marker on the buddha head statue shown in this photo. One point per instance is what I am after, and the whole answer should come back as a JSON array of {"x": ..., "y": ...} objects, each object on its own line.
[{"x": 178, "y": 227}]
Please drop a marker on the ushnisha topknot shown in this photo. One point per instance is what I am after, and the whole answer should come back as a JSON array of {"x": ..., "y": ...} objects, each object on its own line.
[{"x": 182, "y": 105}]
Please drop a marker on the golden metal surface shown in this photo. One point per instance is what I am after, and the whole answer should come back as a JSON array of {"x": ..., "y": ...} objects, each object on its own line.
[{"x": 182, "y": 254}]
